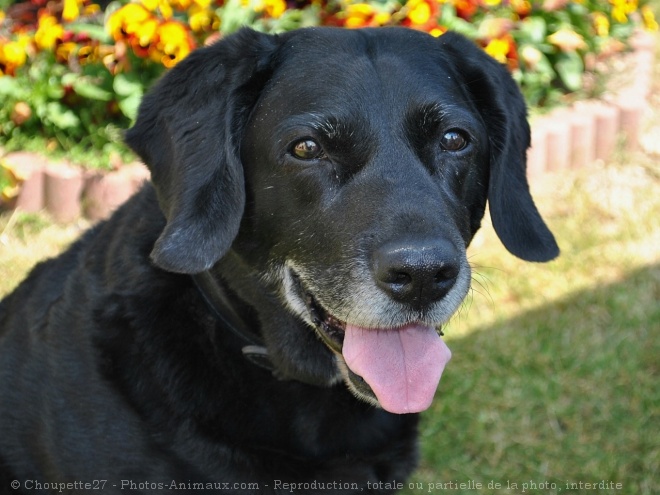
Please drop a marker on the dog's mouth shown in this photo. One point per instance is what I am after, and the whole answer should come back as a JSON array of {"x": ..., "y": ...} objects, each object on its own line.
[
  {"x": 397, "y": 369},
  {"x": 330, "y": 329}
]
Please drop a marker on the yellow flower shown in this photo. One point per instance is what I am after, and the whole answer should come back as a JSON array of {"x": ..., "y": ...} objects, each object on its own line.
[
  {"x": 132, "y": 19},
  {"x": 64, "y": 50},
  {"x": 498, "y": 49},
  {"x": 419, "y": 11},
  {"x": 649, "y": 19},
  {"x": 48, "y": 32},
  {"x": 201, "y": 18},
  {"x": 88, "y": 54},
  {"x": 567, "y": 40},
  {"x": 91, "y": 9},
  {"x": 381, "y": 18},
  {"x": 181, "y": 4},
  {"x": 271, "y": 8},
  {"x": 492, "y": 3},
  {"x": 358, "y": 15},
  {"x": 601, "y": 24},
  {"x": 11, "y": 190},
  {"x": 622, "y": 8},
  {"x": 71, "y": 10},
  {"x": 12, "y": 56},
  {"x": 173, "y": 44},
  {"x": 162, "y": 5}
]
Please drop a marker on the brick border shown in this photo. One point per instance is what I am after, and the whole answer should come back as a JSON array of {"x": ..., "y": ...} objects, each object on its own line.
[
  {"x": 566, "y": 138},
  {"x": 590, "y": 130}
]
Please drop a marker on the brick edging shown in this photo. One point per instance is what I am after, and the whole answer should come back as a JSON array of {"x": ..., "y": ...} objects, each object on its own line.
[
  {"x": 565, "y": 138},
  {"x": 576, "y": 136}
]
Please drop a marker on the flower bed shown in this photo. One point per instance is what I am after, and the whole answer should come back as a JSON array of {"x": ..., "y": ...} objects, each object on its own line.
[{"x": 73, "y": 72}]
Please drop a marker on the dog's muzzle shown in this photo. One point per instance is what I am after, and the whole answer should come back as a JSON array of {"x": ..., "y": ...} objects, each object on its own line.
[{"x": 395, "y": 368}]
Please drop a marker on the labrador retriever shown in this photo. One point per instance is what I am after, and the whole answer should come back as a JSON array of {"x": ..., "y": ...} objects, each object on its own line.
[{"x": 265, "y": 315}]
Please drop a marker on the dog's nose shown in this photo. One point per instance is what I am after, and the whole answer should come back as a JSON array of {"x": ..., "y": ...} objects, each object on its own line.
[{"x": 417, "y": 273}]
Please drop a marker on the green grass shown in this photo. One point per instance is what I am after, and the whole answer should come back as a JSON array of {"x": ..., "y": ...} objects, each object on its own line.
[
  {"x": 26, "y": 239},
  {"x": 565, "y": 392},
  {"x": 554, "y": 376}
]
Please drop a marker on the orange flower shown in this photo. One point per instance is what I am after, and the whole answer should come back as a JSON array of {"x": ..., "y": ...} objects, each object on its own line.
[
  {"x": 465, "y": 9},
  {"x": 521, "y": 7}
]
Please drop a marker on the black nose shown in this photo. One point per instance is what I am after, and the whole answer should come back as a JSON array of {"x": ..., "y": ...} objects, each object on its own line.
[{"x": 416, "y": 272}]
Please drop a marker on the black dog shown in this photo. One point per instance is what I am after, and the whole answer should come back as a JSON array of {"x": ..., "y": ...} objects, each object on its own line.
[{"x": 260, "y": 317}]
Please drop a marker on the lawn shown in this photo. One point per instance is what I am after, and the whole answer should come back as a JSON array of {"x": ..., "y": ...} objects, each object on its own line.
[
  {"x": 553, "y": 385},
  {"x": 554, "y": 375}
]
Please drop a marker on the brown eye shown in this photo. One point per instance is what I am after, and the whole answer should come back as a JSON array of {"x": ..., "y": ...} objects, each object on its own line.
[
  {"x": 307, "y": 149},
  {"x": 453, "y": 141}
]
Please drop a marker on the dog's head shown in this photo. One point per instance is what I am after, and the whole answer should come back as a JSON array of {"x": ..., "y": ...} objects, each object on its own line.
[{"x": 352, "y": 168}]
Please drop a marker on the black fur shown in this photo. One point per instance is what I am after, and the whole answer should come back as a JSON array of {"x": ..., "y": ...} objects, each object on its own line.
[{"x": 113, "y": 367}]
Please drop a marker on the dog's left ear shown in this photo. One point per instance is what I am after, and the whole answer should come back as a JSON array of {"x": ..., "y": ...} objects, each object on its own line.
[
  {"x": 188, "y": 133},
  {"x": 515, "y": 218}
]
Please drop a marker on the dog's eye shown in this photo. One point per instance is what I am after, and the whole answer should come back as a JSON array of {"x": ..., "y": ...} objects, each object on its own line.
[
  {"x": 307, "y": 149},
  {"x": 453, "y": 141}
]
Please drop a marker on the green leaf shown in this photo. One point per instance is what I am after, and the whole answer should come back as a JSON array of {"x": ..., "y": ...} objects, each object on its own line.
[
  {"x": 127, "y": 85},
  {"x": 11, "y": 87},
  {"x": 534, "y": 30},
  {"x": 570, "y": 69},
  {"x": 61, "y": 116},
  {"x": 92, "y": 30},
  {"x": 129, "y": 106},
  {"x": 89, "y": 90},
  {"x": 234, "y": 16}
]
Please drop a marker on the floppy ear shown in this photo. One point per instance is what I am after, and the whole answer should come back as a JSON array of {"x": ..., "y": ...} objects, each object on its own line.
[
  {"x": 188, "y": 132},
  {"x": 515, "y": 218}
]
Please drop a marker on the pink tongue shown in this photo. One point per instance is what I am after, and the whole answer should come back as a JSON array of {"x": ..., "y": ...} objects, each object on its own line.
[{"x": 402, "y": 366}]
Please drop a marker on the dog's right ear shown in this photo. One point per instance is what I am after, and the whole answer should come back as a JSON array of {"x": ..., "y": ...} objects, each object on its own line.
[
  {"x": 515, "y": 217},
  {"x": 188, "y": 133}
]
